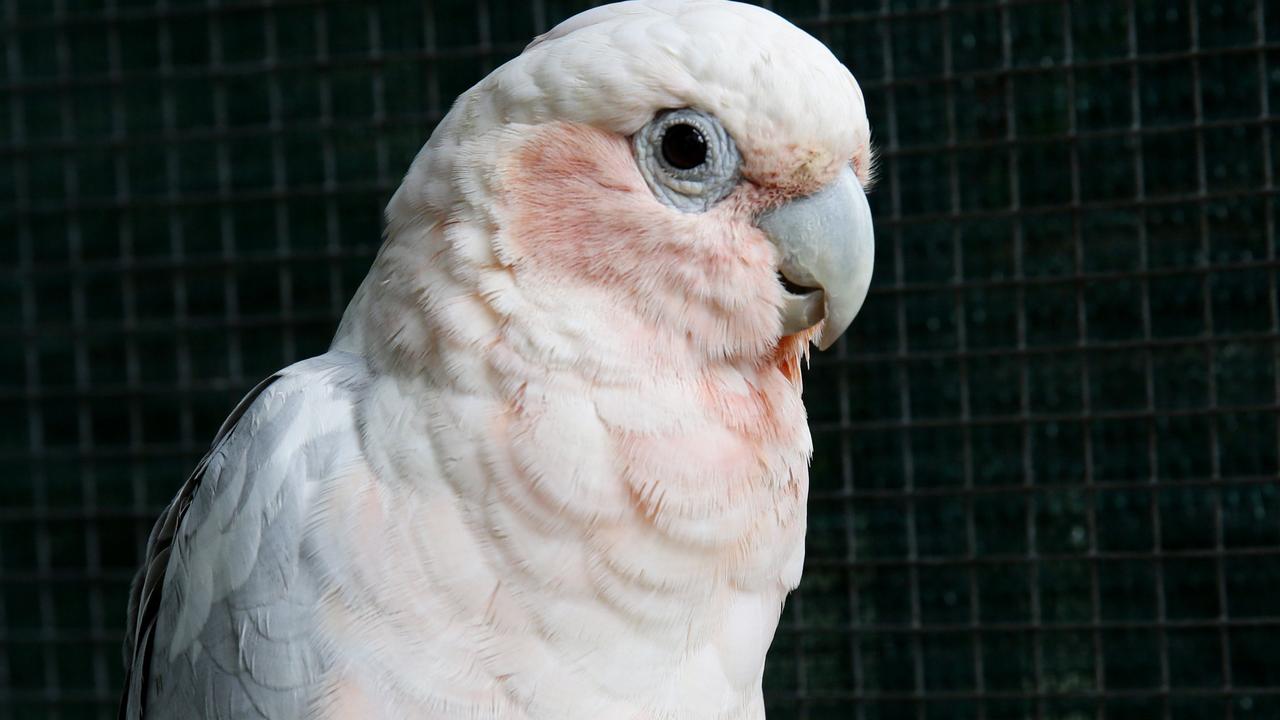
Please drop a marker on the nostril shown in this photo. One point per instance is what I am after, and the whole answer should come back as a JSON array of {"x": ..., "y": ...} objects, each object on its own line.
[{"x": 794, "y": 288}]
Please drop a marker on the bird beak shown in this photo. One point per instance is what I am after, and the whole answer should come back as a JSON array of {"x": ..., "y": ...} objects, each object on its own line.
[{"x": 826, "y": 249}]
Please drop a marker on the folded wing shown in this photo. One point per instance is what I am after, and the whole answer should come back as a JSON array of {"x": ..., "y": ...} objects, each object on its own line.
[{"x": 220, "y": 613}]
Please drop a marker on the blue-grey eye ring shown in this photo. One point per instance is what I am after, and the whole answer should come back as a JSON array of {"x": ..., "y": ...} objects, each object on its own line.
[{"x": 688, "y": 159}]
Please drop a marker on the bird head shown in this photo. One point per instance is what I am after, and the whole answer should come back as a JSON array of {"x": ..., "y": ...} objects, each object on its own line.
[{"x": 677, "y": 176}]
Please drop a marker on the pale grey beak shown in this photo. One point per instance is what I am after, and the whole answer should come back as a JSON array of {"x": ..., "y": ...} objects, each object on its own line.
[{"x": 826, "y": 247}]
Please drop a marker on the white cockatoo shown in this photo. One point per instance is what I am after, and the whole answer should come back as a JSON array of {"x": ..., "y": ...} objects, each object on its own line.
[{"x": 554, "y": 465}]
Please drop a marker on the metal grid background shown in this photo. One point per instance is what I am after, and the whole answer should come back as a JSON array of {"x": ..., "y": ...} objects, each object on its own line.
[{"x": 1046, "y": 472}]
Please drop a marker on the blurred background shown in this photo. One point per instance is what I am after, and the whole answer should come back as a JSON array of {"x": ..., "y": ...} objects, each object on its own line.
[{"x": 1046, "y": 478}]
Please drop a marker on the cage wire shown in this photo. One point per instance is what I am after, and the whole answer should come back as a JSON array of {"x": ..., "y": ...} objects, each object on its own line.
[{"x": 1045, "y": 478}]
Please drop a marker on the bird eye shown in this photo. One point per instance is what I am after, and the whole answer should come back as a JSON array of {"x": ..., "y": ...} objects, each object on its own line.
[
  {"x": 684, "y": 147},
  {"x": 688, "y": 159}
]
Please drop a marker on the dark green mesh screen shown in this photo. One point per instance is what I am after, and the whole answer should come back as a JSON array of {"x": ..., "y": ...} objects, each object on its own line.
[{"x": 1046, "y": 472}]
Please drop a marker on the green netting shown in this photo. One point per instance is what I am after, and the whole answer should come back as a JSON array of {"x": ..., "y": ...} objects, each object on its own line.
[{"x": 1046, "y": 472}]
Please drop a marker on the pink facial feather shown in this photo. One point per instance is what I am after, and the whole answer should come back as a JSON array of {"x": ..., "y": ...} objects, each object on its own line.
[{"x": 578, "y": 212}]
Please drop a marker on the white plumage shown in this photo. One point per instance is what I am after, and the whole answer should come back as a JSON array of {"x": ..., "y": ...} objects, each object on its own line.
[{"x": 555, "y": 465}]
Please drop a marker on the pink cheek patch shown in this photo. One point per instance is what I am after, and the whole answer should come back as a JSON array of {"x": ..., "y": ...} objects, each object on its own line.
[
  {"x": 576, "y": 205},
  {"x": 574, "y": 210}
]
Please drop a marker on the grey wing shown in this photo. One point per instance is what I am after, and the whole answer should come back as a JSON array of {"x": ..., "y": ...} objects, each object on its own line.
[{"x": 221, "y": 611}]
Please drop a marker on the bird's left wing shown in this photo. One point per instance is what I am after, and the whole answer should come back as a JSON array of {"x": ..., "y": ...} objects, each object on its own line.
[{"x": 220, "y": 611}]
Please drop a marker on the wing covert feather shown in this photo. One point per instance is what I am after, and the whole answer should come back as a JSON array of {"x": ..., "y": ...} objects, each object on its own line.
[{"x": 218, "y": 612}]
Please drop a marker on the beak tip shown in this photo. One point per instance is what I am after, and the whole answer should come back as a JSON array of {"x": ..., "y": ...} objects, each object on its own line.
[
  {"x": 838, "y": 314},
  {"x": 830, "y": 333}
]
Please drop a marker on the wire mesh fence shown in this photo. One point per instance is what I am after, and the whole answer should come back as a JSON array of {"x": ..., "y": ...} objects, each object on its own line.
[{"x": 1046, "y": 477}]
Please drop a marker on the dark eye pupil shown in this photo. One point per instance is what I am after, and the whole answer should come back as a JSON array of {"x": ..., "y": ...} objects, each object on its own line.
[{"x": 684, "y": 147}]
